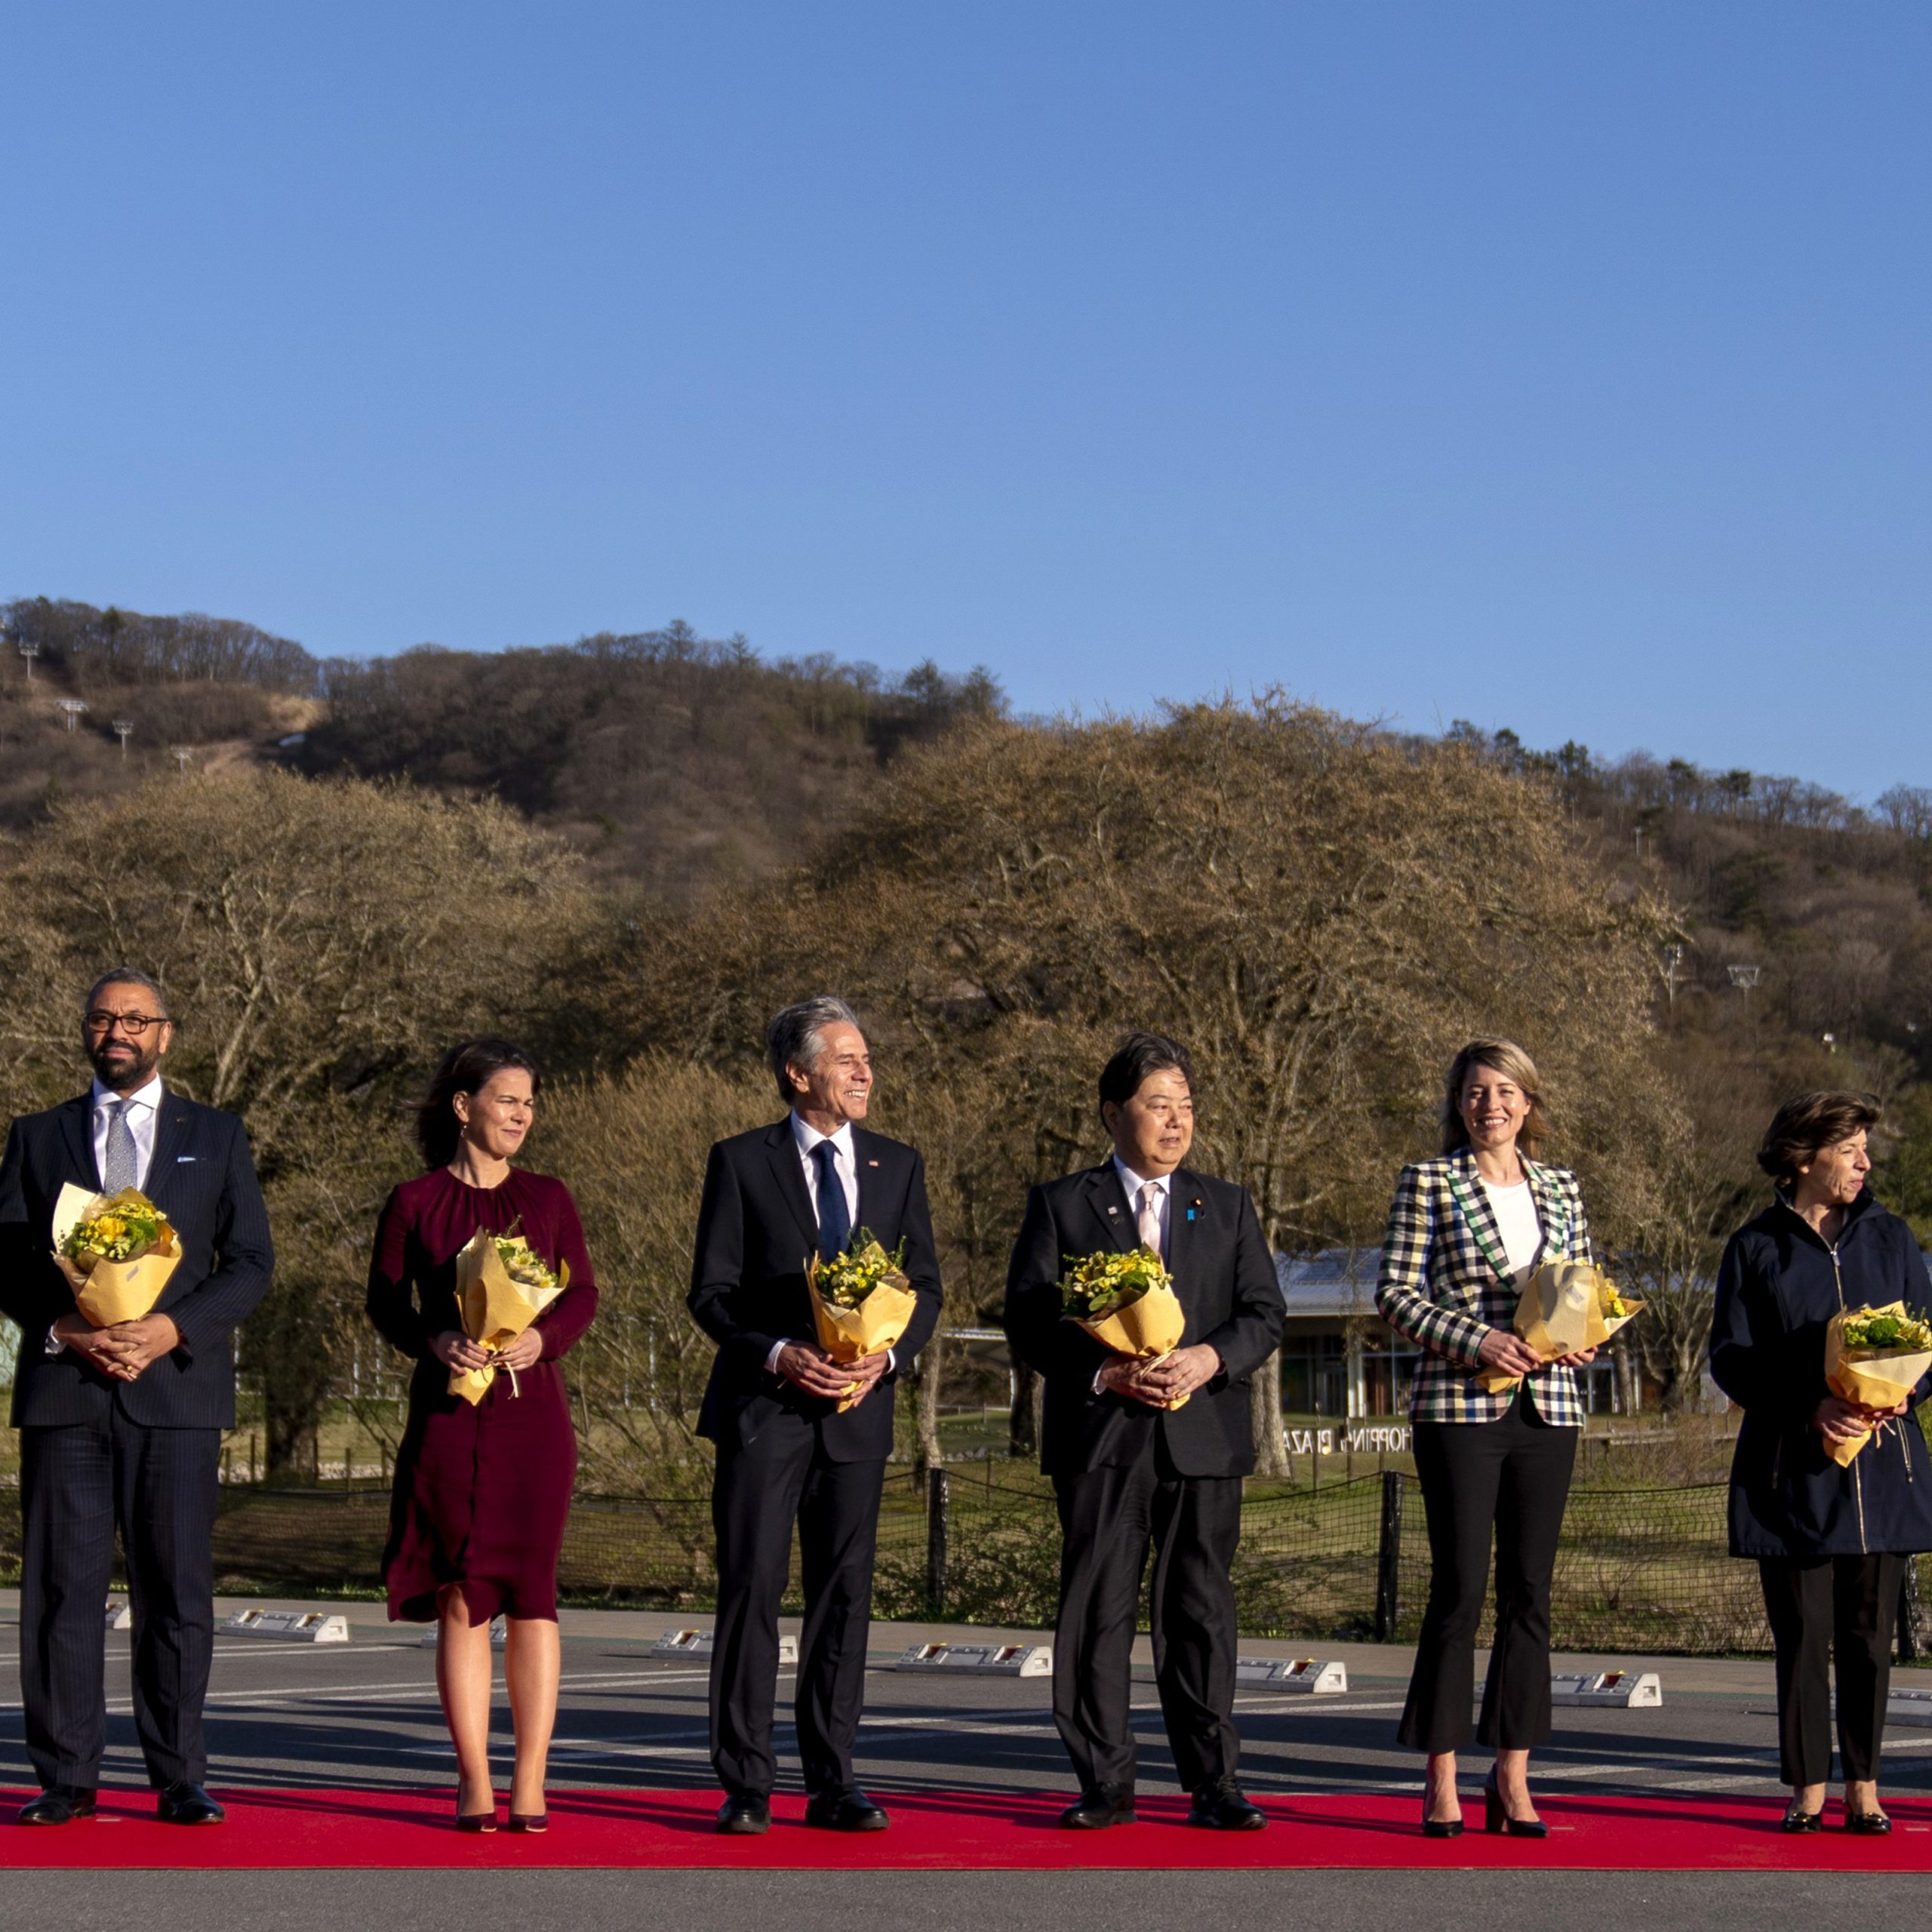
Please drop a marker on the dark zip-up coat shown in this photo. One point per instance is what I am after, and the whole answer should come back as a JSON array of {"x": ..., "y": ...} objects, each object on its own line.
[{"x": 1779, "y": 1286}]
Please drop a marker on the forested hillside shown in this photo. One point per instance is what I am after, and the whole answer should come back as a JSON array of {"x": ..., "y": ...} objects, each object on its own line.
[
  {"x": 628, "y": 848},
  {"x": 674, "y": 762}
]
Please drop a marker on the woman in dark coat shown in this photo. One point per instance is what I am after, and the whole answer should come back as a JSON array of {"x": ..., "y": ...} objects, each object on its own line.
[
  {"x": 482, "y": 1491},
  {"x": 1831, "y": 1543}
]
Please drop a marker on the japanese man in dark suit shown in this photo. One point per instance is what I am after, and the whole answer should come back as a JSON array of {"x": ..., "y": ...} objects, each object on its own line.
[{"x": 1130, "y": 1472}]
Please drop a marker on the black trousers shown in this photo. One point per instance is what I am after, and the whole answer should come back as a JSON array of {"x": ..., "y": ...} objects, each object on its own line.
[
  {"x": 159, "y": 1486},
  {"x": 760, "y": 1490},
  {"x": 1512, "y": 1477},
  {"x": 1845, "y": 1605},
  {"x": 1108, "y": 1518}
]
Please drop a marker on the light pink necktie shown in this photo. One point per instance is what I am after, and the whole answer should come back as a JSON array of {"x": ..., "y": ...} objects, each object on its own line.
[{"x": 1150, "y": 1217}]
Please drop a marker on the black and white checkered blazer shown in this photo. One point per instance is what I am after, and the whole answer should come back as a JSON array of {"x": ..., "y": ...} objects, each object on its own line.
[{"x": 1445, "y": 1282}]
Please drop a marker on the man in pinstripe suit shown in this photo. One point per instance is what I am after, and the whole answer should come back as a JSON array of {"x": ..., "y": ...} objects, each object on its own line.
[{"x": 122, "y": 1425}]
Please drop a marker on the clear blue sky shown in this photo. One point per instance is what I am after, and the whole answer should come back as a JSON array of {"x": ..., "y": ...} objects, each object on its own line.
[{"x": 1562, "y": 365}]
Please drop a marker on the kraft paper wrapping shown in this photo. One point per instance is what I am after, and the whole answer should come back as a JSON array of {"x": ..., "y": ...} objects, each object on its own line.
[
  {"x": 1560, "y": 1313},
  {"x": 1148, "y": 1327},
  {"x": 107, "y": 1292},
  {"x": 1877, "y": 1378},
  {"x": 849, "y": 1334},
  {"x": 495, "y": 1310}
]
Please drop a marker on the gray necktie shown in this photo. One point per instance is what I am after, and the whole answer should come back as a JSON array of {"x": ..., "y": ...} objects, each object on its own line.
[{"x": 120, "y": 1169}]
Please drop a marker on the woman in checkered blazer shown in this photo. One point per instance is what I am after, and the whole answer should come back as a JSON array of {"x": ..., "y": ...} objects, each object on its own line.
[{"x": 1465, "y": 1231}]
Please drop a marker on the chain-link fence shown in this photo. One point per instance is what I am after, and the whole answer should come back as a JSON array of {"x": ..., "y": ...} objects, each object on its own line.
[{"x": 1638, "y": 1571}]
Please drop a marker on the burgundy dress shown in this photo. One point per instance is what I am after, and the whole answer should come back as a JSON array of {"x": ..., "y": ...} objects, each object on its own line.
[{"x": 482, "y": 1490}]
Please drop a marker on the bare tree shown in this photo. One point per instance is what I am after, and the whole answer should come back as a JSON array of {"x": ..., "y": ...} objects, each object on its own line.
[
  {"x": 321, "y": 944},
  {"x": 1323, "y": 914}
]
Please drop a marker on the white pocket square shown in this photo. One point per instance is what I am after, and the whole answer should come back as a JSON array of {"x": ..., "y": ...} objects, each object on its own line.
[{"x": 182, "y": 1160}]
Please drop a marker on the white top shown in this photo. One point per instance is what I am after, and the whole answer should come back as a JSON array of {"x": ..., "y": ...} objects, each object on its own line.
[
  {"x": 1515, "y": 1211},
  {"x": 1134, "y": 1183},
  {"x": 142, "y": 1104}
]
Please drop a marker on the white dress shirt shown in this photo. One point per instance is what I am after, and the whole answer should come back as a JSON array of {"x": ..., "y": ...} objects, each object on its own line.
[
  {"x": 805, "y": 1137},
  {"x": 143, "y": 1106}
]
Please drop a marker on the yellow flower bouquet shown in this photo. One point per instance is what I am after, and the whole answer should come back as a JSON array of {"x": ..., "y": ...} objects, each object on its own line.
[
  {"x": 862, "y": 1302},
  {"x": 117, "y": 1252},
  {"x": 1874, "y": 1356},
  {"x": 502, "y": 1284},
  {"x": 1126, "y": 1301},
  {"x": 1565, "y": 1307}
]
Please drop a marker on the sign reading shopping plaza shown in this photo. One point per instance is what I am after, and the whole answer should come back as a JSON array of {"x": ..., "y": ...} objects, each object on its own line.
[{"x": 1354, "y": 1439}]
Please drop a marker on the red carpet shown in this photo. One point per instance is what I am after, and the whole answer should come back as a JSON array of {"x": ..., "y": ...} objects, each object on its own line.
[{"x": 956, "y": 1831}]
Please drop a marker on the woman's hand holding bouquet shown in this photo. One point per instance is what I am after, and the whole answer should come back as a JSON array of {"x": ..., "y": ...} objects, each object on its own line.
[{"x": 1874, "y": 1356}]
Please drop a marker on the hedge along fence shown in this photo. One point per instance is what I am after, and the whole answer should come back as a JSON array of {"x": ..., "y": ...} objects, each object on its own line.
[{"x": 1638, "y": 1571}]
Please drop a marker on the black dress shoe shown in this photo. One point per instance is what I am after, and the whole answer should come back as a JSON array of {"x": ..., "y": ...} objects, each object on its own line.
[
  {"x": 745, "y": 1814},
  {"x": 845, "y": 1811},
  {"x": 1798, "y": 1819},
  {"x": 1221, "y": 1807},
  {"x": 58, "y": 1804},
  {"x": 186, "y": 1803},
  {"x": 1867, "y": 1824},
  {"x": 1094, "y": 1810}
]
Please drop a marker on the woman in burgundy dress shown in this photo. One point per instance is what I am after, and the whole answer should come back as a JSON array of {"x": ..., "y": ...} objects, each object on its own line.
[{"x": 482, "y": 1491}]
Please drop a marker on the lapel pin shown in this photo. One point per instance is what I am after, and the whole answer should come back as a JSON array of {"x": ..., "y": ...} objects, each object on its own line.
[{"x": 1113, "y": 1210}]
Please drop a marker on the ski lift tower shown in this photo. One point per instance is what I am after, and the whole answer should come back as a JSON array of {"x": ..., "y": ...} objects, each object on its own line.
[
  {"x": 123, "y": 728},
  {"x": 1744, "y": 978},
  {"x": 72, "y": 707},
  {"x": 183, "y": 756},
  {"x": 29, "y": 650}
]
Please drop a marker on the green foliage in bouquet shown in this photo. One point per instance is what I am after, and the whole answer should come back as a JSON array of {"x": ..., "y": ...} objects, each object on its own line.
[
  {"x": 845, "y": 1280},
  {"x": 523, "y": 1264},
  {"x": 1888, "y": 1331},
  {"x": 126, "y": 1228},
  {"x": 1095, "y": 1286}
]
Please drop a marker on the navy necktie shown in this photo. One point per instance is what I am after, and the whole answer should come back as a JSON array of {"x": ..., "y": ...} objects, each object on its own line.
[{"x": 835, "y": 1218}]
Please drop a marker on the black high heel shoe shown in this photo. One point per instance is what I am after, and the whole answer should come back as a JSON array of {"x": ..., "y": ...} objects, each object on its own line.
[
  {"x": 475, "y": 1821},
  {"x": 1495, "y": 1818},
  {"x": 1438, "y": 1828}
]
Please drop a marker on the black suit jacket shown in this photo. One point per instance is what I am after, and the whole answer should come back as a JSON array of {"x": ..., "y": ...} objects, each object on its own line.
[
  {"x": 1224, "y": 1278},
  {"x": 202, "y": 1177},
  {"x": 755, "y": 1232}
]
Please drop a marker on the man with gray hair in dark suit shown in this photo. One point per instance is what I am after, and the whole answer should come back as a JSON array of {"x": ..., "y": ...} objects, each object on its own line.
[
  {"x": 787, "y": 1452},
  {"x": 120, "y": 1427}
]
